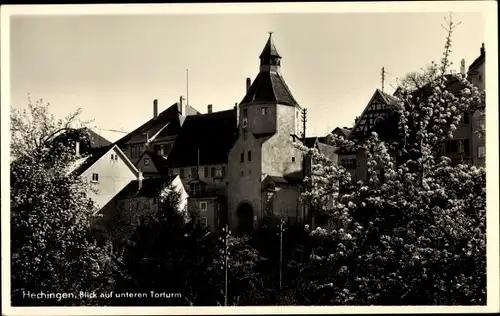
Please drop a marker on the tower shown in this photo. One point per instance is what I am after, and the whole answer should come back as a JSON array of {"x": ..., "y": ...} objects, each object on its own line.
[{"x": 269, "y": 116}]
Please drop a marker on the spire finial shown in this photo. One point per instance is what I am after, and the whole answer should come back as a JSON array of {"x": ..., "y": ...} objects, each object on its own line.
[{"x": 270, "y": 33}]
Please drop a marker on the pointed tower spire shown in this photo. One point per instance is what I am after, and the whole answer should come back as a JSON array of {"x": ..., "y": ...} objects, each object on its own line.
[{"x": 270, "y": 59}]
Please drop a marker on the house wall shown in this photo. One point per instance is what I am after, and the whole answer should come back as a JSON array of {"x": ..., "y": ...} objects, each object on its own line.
[
  {"x": 258, "y": 123},
  {"x": 244, "y": 177},
  {"x": 114, "y": 175},
  {"x": 210, "y": 213},
  {"x": 278, "y": 151},
  {"x": 286, "y": 203},
  {"x": 213, "y": 182}
]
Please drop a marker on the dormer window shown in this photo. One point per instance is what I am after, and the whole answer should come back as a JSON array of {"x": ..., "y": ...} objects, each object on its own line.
[{"x": 263, "y": 111}]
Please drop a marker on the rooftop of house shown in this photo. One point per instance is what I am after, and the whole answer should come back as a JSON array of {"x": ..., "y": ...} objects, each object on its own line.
[
  {"x": 166, "y": 123},
  {"x": 150, "y": 188},
  {"x": 84, "y": 163},
  {"x": 208, "y": 137},
  {"x": 480, "y": 59},
  {"x": 159, "y": 162}
]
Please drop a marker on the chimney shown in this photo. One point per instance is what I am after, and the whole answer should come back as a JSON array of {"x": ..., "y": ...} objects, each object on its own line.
[
  {"x": 237, "y": 110},
  {"x": 182, "y": 106},
  {"x": 482, "y": 50},
  {"x": 139, "y": 180},
  {"x": 462, "y": 66},
  {"x": 155, "y": 108},
  {"x": 249, "y": 83},
  {"x": 209, "y": 108}
]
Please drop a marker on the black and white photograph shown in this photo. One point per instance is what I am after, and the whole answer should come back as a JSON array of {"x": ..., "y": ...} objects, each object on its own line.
[{"x": 249, "y": 155}]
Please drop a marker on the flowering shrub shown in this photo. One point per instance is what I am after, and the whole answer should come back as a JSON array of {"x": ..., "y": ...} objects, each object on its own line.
[{"x": 419, "y": 235}]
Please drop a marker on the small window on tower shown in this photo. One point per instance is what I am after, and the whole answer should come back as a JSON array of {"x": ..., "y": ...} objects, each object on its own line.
[
  {"x": 264, "y": 111},
  {"x": 293, "y": 159},
  {"x": 242, "y": 157},
  {"x": 249, "y": 155}
]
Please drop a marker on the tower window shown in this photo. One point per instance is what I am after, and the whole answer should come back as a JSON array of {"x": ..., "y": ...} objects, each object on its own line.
[
  {"x": 242, "y": 157},
  {"x": 249, "y": 155},
  {"x": 264, "y": 111},
  {"x": 293, "y": 159},
  {"x": 245, "y": 112},
  {"x": 95, "y": 177}
]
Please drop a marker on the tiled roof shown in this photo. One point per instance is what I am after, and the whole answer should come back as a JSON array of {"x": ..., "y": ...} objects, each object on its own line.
[
  {"x": 170, "y": 115},
  {"x": 327, "y": 151},
  {"x": 479, "y": 59},
  {"x": 150, "y": 187},
  {"x": 213, "y": 134},
  {"x": 269, "y": 86},
  {"x": 94, "y": 155},
  {"x": 98, "y": 140},
  {"x": 159, "y": 162}
]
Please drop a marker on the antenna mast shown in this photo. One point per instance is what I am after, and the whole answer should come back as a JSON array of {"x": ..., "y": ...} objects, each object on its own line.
[{"x": 187, "y": 86}]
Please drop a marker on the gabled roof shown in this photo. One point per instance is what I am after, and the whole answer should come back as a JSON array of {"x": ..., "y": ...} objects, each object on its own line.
[
  {"x": 343, "y": 131},
  {"x": 150, "y": 187},
  {"x": 327, "y": 150},
  {"x": 170, "y": 116},
  {"x": 311, "y": 141},
  {"x": 269, "y": 87},
  {"x": 389, "y": 100},
  {"x": 97, "y": 140},
  {"x": 95, "y": 154},
  {"x": 479, "y": 60},
  {"x": 158, "y": 161},
  {"x": 213, "y": 134}
]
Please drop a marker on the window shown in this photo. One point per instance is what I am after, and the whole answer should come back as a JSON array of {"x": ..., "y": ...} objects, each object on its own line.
[
  {"x": 159, "y": 149},
  {"x": 205, "y": 172},
  {"x": 194, "y": 173},
  {"x": 214, "y": 174},
  {"x": 147, "y": 161},
  {"x": 181, "y": 173},
  {"x": 464, "y": 118},
  {"x": 293, "y": 159},
  {"x": 245, "y": 112},
  {"x": 223, "y": 171},
  {"x": 481, "y": 151},
  {"x": 245, "y": 135},
  {"x": 481, "y": 122},
  {"x": 263, "y": 111},
  {"x": 460, "y": 146},
  {"x": 167, "y": 148},
  {"x": 242, "y": 157},
  {"x": 95, "y": 177},
  {"x": 249, "y": 155},
  {"x": 249, "y": 171},
  {"x": 203, "y": 221},
  {"x": 203, "y": 206},
  {"x": 245, "y": 123},
  {"x": 349, "y": 164}
]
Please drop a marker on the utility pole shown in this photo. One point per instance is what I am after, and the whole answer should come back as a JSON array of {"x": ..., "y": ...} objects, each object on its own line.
[
  {"x": 225, "y": 256},
  {"x": 383, "y": 78},
  {"x": 304, "y": 120},
  {"x": 280, "y": 233}
]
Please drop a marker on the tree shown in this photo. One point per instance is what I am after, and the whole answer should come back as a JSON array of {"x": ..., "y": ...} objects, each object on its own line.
[
  {"x": 417, "y": 235},
  {"x": 52, "y": 250}
]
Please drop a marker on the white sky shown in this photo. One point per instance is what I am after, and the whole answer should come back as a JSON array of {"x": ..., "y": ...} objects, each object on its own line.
[{"x": 113, "y": 66}]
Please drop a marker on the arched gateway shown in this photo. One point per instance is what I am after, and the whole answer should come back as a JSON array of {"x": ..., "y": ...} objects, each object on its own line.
[{"x": 245, "y": 218}]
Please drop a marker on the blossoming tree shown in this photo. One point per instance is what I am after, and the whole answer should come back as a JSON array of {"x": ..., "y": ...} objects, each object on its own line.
[
  {"x": 418, "y": 235},
  {"x": 52, "y": 251}
]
